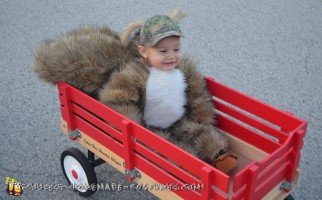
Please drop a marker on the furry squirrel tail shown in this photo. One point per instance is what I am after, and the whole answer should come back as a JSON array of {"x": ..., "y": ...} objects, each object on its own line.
[{"x": 83, "y": 57}]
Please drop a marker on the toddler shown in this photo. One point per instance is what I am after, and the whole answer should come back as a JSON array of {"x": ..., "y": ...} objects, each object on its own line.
[{"x": 163, "y": 91}]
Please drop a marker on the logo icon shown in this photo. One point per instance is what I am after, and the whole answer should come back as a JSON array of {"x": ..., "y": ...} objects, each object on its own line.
[{"x": 13, "y": 186}]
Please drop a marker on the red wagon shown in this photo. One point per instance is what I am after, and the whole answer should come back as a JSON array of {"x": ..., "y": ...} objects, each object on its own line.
[{"x": 266, "y": 140}]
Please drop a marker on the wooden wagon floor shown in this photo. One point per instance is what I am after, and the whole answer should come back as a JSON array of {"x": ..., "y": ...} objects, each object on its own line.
[{"x": 242, "y": 162}]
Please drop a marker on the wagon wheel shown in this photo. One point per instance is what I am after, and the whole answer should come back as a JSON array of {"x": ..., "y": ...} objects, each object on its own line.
[{"x": 78, "y": 171}]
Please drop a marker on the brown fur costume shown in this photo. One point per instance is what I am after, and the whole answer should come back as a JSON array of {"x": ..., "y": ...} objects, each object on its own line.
[
  {"x": 84, "y": 57},
  {"x": 106, "y": 66},
  {"x": 125, "y": 92}
]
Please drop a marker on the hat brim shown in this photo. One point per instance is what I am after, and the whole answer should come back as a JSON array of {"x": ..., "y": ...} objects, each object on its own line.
[{"x": 159, "y": 37}]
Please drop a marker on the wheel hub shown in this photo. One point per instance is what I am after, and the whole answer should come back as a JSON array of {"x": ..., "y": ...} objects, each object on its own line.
[{"x": 74, "y": 173}]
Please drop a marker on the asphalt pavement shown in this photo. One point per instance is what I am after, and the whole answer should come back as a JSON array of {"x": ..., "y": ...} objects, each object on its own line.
[{"x": 271, "y": 50}]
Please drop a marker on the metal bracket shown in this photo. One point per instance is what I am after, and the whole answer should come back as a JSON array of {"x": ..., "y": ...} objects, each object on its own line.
[
  {"x": 286, "y": 186},
  {"x": 132, "y": 173},
  {"x": 74, "y": 135}
]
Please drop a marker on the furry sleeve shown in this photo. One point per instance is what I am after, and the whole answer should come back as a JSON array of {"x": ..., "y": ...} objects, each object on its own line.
[
  {"x": 199, "y": 101},
  {"x": 125, "y": 91}
]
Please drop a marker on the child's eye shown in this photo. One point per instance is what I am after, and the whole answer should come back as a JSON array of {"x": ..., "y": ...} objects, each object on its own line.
[
  {"x": 176, "y": 50},
  {"x": 163, "y": 51}
]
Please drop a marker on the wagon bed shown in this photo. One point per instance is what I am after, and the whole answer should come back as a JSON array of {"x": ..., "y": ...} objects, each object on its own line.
[{"x": 266, "y": 140}]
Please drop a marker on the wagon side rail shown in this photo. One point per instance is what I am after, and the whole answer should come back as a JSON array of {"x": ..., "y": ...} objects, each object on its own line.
[
  {"x": 140, "y": 148},
  {"x": 256, "y": 180},
  {"x": 278, "y": 133}
]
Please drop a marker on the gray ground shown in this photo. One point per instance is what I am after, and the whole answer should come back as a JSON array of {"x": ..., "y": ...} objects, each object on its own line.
[{"x": 271, "y": 50}]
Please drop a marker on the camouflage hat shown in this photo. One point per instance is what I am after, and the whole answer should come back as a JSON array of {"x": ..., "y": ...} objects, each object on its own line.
[{"x": 156, "y": 28}]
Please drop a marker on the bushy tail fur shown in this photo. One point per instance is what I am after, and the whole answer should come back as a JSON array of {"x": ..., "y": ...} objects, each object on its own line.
[{"x": 84, "y": 57}]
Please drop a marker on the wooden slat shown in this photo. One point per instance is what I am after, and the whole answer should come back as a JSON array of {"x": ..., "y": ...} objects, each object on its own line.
[
  {"x": 275, "y": 178},
  {"x": 97, "y": 108},
  {"x": 96, "y": 122},
  {"x": 162, "y": 162},
  {"x": 163, "y": 177},
  {"x": 182, "y": 158},
  {"x": 270, "y": 169},
  {"x": 251, "y": 121},
  {"x": 276, "y": 193},
  {"x": 246, "y": 134},
  {"x": 278, "y": 153},
  {"x": 254, "y": 106},
  {"x": 98, "y": 135}
]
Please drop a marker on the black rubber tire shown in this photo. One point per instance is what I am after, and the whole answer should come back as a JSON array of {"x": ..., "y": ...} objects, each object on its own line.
[
  {"x": 86, "y": 165},
  {"x": 289, "y": 197}
]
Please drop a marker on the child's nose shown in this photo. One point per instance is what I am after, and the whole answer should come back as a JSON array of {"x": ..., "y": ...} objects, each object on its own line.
[{"x": 171, "y": 54}]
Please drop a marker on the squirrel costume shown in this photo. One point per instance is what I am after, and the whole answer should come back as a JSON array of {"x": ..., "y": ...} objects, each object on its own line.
[{"x": 175, "y": 105}]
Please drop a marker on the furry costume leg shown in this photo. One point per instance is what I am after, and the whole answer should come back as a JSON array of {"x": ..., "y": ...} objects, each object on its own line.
[{"x": 204, "y": 140}]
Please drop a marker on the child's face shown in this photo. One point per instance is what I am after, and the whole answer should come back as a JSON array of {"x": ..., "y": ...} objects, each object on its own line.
[{"x": 165, "y": 55}]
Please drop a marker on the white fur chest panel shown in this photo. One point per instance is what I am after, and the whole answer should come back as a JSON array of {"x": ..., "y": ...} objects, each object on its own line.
[{"x": 165, "y": 97}]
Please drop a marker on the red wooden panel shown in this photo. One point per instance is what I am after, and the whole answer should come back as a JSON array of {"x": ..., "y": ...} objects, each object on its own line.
[
  {"x": 162, "y": 162},
  {"x": 269, "y": 170},
  {"x": 217, "y": 196},
  {"x": 96, "y": 122},
  {"x": 254, "y": 106},
  {"x": 264, "y": 187},
  {"x": 206, "y": 176},
  {"x": 297, "y": 145},
  {"x": 278, "y": 153},
  {"x": 99, "y": 136},
  {"x": 63, "y": 112},
  {"x": 240, "y": 179},
  {"x": 246, "y": 134},
  {"x": 251, "y": 121},
  {"x": 276, "y": 177},
  {"x": 189, "y": 162},
  {"x": 65, "y": 99},
  {"x": 127, "y": 147},
  {"x": 240, "y": 194},
  {"x": 96, "y": 107},
  {"x": 251, "y": 182},
  {"x": 163, "y": 177}
]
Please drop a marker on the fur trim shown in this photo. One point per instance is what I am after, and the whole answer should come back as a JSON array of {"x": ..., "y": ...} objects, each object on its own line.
[{"x": 199, "y": 106}]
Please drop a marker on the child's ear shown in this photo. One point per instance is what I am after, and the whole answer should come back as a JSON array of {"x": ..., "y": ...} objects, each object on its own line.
[{"x": 143, "y": 51}]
